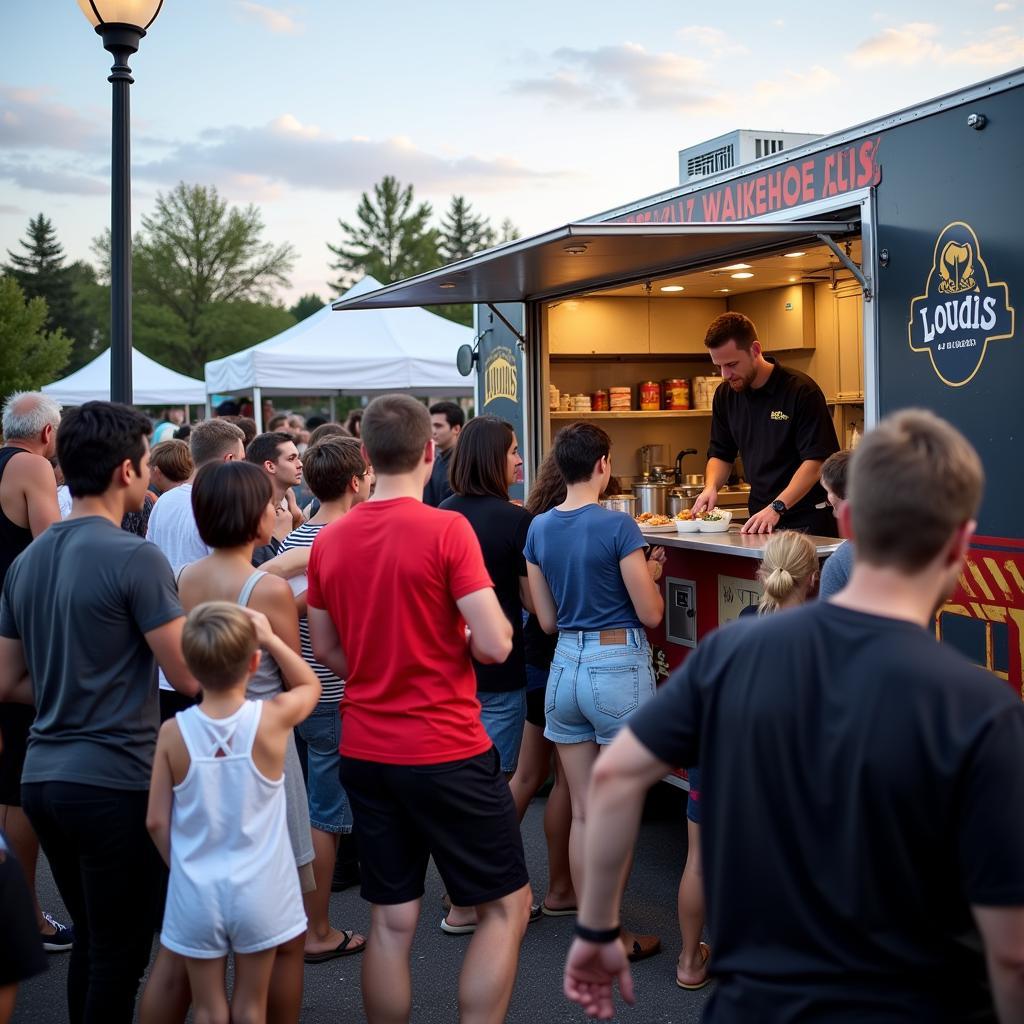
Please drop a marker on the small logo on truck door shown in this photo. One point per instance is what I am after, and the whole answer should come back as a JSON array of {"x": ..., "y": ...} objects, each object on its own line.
[{"x": 962, "y": 309}]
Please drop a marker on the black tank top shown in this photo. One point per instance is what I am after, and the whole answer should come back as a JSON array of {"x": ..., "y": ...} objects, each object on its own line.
[{"x": 13, "y": 538}]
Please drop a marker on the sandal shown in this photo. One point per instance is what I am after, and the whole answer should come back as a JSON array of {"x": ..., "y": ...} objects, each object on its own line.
[
  {"x": 468, "y": 929},
  {"x": 705, "y": 955},
  {"x": 343, "y": 948},
  {"x": 644, "y": 946},
  {"x": 559, "y": 912}
]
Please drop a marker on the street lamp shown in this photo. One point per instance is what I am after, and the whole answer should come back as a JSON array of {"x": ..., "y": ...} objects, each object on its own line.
[{"x": 121, "y": 24}]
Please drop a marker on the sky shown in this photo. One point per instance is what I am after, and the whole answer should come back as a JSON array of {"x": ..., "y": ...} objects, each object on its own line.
[{"x": 542, "y": 111}]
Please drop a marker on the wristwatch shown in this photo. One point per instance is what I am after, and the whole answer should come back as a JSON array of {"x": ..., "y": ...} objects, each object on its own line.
[{"x": 779, "y": 507}]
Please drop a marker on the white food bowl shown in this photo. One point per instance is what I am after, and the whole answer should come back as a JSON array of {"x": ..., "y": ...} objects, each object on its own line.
[
  {"x": 721, "y": 526},
  {"x": 687, "y": 525}
]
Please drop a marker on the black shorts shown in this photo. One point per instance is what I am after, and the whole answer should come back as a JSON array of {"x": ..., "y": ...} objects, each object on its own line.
[
  {"x": 460, "y": 813},
  {"x": 535, "y": 708},
  {"x": 171, "y": 702},
  {"x": 15, "y": 722},
  {"x": 21, "y": 949}
]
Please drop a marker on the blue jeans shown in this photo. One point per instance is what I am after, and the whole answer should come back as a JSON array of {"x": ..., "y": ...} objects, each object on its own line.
[
  {"x": 329, "y": 809},
  {"x": 594, "y": 688},
  {"x": 503, "y": 715}
]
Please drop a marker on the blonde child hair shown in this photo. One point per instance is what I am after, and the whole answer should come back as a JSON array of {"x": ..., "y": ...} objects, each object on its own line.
[
  {"x": 218, "y": 642},
  {"x": 789, "y": 561}
]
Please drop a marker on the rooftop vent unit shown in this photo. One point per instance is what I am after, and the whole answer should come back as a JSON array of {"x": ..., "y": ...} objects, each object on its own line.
[{"x": 742, "y": 146}]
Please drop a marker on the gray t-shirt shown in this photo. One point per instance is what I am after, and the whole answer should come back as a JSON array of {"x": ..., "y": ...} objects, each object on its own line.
[
  {"x": 80, "y": 598},
  {"x": 835, "y": 573}
]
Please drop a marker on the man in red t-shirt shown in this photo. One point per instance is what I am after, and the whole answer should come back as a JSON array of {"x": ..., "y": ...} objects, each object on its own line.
[{"x": 392, "y": 587}]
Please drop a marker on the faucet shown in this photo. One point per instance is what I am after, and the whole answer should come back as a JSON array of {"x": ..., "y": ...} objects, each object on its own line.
[{"x": 679, "y": 464}]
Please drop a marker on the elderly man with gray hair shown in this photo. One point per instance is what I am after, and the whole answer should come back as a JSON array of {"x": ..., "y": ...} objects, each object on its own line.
[{"x": 28, "y": 504}]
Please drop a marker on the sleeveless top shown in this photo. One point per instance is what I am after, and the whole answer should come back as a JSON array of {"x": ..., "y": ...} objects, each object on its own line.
[
  {"x": 265, "y": 683},
  {"x": 13, "y": 538}
]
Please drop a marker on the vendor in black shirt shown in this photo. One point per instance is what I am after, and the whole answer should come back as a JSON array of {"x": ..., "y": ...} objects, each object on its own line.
[{"x": 777, "y": 420}]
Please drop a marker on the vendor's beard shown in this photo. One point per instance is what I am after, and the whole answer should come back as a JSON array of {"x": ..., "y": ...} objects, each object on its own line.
[{"x": 741, "y": 384}]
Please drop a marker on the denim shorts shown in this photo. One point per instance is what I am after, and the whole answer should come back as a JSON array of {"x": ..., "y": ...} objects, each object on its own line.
[
  {"x": 329, "y": 809},
  {"x": 594, "y": 688},
  {"x": 503, "y": 715}
]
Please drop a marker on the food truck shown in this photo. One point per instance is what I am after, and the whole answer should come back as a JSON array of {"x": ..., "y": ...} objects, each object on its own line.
[{"x": 884, "y": 261}]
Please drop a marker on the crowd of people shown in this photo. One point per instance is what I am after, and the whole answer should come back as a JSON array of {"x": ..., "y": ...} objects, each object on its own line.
[{"x": 272, "y": 692}]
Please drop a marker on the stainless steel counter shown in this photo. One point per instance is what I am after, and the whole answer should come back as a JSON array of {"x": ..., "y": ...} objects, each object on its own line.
[{"x": 731, "y": 543}]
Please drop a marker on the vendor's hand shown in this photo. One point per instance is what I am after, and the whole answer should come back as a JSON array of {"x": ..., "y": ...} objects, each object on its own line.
[
  {"x": 293, "y": 507},
  {"x": 764, "y": 521},
  {"x": 656, "y": 563},
  {"x": 261, "y": 624},
  {"x": 590, "y": 972},
  {"x": 706, "y": 500}
]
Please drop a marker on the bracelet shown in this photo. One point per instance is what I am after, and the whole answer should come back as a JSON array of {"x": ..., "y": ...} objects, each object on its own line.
[{"x": 598, "y": 935}]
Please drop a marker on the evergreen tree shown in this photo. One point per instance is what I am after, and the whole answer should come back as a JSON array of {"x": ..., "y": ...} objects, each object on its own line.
[
  {"x": 508, "y": 232},
  {"x": 307, "y": 305},
  {"x": 30, "y": 356},
  {"x": 391, "y": 238},
  {"x": 463, "y": 233}
]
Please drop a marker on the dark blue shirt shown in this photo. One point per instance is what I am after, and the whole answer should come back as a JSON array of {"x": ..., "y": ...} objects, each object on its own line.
[{"x": 579, "y": 553}]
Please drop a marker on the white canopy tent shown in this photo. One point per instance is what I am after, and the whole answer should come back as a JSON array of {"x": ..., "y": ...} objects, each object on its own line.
[
  {"x": 360, "y": 352},
  {"x": 152, "y": 384}
]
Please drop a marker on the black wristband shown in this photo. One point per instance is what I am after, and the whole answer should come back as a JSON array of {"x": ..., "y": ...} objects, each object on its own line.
[{"x": 598, "y": 935}]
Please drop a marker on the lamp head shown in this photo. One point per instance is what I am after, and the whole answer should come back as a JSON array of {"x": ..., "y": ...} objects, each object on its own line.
[{"x": 137, "y": 14}]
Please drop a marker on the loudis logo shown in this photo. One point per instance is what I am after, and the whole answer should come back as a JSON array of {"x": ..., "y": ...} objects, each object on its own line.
[
  {"x": 962, "y": 309},
  {"x": 501, "y": 377}
]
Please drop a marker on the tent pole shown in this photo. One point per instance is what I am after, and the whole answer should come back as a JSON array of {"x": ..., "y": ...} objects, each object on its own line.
[
  {"x": 209, "y": 407},
  {"x": 187, "y": 410},
  {"x": 257, "y": 408},
  {"x": 332, "y": 408}
]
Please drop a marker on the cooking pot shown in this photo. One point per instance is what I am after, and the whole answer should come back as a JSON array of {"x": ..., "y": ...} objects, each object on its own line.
[
  {"x": 619, "y": 503},
  {"x": 650, "y": 498},
  {"x": 692, "y": 480},
  {"x": 679, "y": 500}
]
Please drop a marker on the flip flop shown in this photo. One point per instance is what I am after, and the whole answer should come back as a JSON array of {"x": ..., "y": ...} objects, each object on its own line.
[
  {"x": 560, "y": 912},
  {"x": 468, "y": 929},
  {"x": 341, "y": 949},
  {"x": 642, "y": 952},
  {"x": 705, "y": 955}
]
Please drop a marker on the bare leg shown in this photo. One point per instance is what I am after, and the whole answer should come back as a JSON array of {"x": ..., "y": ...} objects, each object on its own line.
[
  {"x": 577, "y": 761},
  {"x": 557, "y": 822},
  {"x": 320, "y": 936},
  {"x": 489, "y": 969},
  {"x": 387, "y": 982},
  {"x": 252, "y": 987},
  {"x": 8, "y": 993},
  {"x": 206, "y": 978},
  {"x": 533, "y": 768},
  {"x": 167, "y": 995},
  {"x": 691, "y": 969},
  {"x": 284, "y": 1003},
  {"x": 22, "y": 838}
]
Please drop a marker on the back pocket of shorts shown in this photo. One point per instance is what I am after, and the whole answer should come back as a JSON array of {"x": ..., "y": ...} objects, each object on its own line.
[
  {"x": 551, "y": 689},
  {"x": 616, "y": 689}
]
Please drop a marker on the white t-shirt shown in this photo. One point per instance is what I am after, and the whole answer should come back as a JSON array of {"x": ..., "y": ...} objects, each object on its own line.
[{"x": 172, "y": 528}]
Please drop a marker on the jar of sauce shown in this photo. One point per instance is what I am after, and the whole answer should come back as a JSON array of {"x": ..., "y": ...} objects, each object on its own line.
[
  {"x": 599, "y": 401},
  {"x": 650, "y": 395},
  {"x": 675, "y": 393}
]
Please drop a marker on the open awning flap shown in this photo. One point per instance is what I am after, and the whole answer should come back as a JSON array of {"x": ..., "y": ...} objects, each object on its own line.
[{"x": 580, "y": 257}]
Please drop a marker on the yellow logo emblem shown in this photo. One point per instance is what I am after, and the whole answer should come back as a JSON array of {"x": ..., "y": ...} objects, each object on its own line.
[
  {"x": 778, "y": 414},
  {"x": 501, "y": 377}
]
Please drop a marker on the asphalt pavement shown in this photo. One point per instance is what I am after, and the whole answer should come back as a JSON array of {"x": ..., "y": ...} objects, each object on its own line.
[{"x": 332, "y": 990}]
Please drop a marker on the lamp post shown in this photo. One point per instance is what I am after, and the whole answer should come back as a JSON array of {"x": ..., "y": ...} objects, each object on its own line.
[{"x": 120, "y": 24}]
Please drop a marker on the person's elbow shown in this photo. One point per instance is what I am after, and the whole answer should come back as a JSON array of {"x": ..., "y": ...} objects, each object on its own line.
[
  {"x": 548, "y": 621},
  {"x": 651, "y": 613},
  {"x": 494, "y": 649},
  {"x": 182, "y": 682}
]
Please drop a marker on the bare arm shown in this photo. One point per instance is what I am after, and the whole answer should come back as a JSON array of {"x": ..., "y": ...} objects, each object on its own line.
[
  {"x": 525, "y": 596},
  {"x": 40, "y": 495},
  {"x": 303, "y": 687},
  {"x": 807, "y": 474},
  {"x": 274, "y": 598},
  {"x": 292, "y": 562},
  {"x": 643, "y": 591},
  {"x": 544, "y": 606},
  {"x": 165, "y": 643},
  {"x": 1002, "y": 929},
  {"x": 715, "y": 476},
  {"x": 15, "y": 685},
  {"x": 161, "y": 795},
  {"x": 490, "y": 633},
  {"x": 326, "y": 643}
]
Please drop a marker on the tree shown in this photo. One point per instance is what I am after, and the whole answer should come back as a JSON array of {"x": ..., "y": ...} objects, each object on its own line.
[
  {"x": 463, "y": 233},
  {"x": 29, "y": 355},
  {"x": 390, "y": 240},
  {"x": 193, "y": 253},
  {"x": 508, "y": 232},
  {"x": 41, "y": 273},
  {"x": 307, "y": 305}
]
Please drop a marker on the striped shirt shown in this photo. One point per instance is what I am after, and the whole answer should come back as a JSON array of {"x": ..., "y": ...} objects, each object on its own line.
[{"x": 333, "y": 687}]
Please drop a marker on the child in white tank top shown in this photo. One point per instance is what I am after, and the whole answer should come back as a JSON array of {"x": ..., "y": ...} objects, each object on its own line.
[{"x": 217, "y": 811}]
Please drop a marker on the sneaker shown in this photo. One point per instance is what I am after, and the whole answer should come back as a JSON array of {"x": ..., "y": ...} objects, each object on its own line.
[{"x": 61, "y": 939}]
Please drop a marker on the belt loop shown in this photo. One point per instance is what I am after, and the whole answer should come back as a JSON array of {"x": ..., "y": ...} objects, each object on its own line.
[{"x": 579, "y": 638}]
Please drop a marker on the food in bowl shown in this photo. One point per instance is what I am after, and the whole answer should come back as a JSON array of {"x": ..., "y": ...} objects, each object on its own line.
[{"x": 685, "y": 516}]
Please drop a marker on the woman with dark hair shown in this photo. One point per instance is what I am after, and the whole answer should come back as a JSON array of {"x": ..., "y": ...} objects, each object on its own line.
[
  {"x": 354, "y": 423},
  {"x": 485, "y": 463},
  {"x": 234, "y": 509}
]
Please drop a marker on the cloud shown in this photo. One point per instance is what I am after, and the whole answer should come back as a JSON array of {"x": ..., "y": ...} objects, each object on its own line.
[
  {"x": 6, "y": 208},
  {"x": 814, "y": 81},
  {"x": 714, "y": 41},
  {"x": 48, "y": 179},
  {"x": 623, "y": 75},
  {"x": 274, "y": 21},
  {"x": 30, "y": 119},
  {"x": 917, "y": 42},
  {"x": 1003, "y": 8},
  {"x": 259, "y": 162}
]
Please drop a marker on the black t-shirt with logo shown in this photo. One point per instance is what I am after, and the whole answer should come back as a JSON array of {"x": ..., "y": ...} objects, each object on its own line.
[
  {"x": 861, "y": 788},
  {"x": 774, "y": 428}
]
